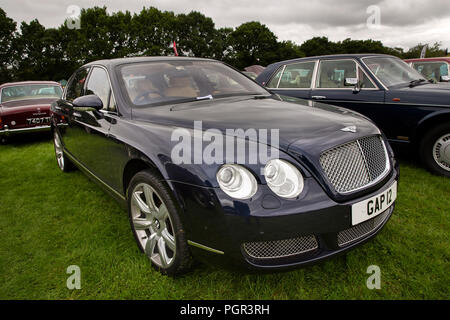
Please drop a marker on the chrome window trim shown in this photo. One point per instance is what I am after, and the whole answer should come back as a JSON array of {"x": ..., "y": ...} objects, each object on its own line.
[
  {"x": 110, "y": 85},
  {"x": 362, "y": 60},
  {"x": 284, "y": 68},
  {"x": 358, "y": 66}
]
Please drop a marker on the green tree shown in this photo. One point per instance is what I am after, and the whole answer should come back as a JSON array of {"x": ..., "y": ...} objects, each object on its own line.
[
  {"x": 318, "y": 46},
  {"x": 8, "y": 37},
  {"x": 289, "y": 50},
  {"x": 195, "y": 34},
  {"x": 252, "y": 43},
  {"x": 434, "y": 50}
]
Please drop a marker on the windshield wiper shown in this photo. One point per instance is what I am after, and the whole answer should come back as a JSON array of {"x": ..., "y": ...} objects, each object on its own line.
[{"x": 416, "y": 82}]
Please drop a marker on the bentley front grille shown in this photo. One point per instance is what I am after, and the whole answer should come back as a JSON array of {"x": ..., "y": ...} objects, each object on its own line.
[
  {"x": 280, "y": 248},
  {"x": 355, "y": 165},
  {"x": 360, "y": 230}
]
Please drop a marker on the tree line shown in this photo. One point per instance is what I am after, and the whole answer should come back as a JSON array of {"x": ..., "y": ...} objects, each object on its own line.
[{"x": 32, "y": 52}]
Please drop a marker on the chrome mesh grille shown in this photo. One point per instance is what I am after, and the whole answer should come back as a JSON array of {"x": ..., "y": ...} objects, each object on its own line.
[
  {"x": 280, "y": 248},
  {"x": 355, "y": 164},
  {"x": 360, "y": 230}
]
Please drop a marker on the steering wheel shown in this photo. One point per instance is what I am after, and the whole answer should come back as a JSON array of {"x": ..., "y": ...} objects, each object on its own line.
[{"x": 144, "y": 95}]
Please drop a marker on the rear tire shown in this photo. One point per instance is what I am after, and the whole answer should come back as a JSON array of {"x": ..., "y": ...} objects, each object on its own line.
[
  {"x": 435, "y": 150},
  {"x": 156, "y": 225},
  {"x": 62, "y": 161}
]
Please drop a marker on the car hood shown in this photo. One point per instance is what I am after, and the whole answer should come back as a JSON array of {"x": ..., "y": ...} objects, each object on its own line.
[{"x": 304, "y": 126}]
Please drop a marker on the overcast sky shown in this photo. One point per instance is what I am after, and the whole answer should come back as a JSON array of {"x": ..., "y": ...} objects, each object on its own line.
[{"x": 402, "y": 23}]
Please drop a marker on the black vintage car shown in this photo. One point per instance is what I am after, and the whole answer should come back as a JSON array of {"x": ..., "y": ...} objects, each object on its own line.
[
  {"x": 408, "y": 109},
  {"x": 160, "y": 134}
]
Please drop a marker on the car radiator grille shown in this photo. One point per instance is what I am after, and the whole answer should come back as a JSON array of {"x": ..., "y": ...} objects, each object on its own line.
[
  {"x": 280, "y": 248},
  {"x": 356, "y": 164},
  {"x": 354, "y": 233}
]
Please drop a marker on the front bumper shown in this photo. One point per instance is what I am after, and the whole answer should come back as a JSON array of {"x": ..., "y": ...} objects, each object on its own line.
[{"x": 230, "y": 232}]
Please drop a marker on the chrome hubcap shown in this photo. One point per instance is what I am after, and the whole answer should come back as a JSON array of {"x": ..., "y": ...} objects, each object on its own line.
[
  {"x": 153, "y": 225},
  {"x": 441, "y": 152},
  {"x": 59, "y": 151}
]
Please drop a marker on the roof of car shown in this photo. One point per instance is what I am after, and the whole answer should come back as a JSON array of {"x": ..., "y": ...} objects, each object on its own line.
[
  {"x": 331, "y": 56},
  {"x": 119, "y": 61},
  {"x": 9, "y": 84},
  {"x": 429, "y": 59}
]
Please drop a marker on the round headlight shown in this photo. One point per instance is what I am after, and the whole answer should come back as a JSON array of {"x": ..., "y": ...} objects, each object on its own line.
[
  {"x": 283, "y": 178},
  {"x": 236, "y": 181}
]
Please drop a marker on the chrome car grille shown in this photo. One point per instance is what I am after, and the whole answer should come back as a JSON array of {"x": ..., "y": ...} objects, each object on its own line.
[
  {"x": 356, "y": 164},
  {"x": 354, "y": 233},
  {"x": 280, "y": 248}
]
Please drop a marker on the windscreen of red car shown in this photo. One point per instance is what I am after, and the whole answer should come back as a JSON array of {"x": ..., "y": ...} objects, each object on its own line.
[
  {"x": 157, "y": 83},
  {"x": 25, "y": 92}
]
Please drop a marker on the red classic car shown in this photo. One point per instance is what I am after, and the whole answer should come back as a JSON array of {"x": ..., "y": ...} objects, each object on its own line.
[
  {"x": 436, "y": 69},
  {"x": 25, "y": 106}
]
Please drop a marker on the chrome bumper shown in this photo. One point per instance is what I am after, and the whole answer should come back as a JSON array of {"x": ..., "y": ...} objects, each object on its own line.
[{"x": 7, "y": 132}]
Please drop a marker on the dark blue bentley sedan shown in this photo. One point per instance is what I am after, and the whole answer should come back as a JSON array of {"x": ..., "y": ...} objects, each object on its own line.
[
  {"x": 407, "y": 108},
  {"x": 210, "y": 165}
]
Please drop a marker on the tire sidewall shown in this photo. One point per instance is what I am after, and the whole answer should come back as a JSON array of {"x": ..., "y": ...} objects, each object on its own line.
[
  {"x": 426, "y": 149},
  {"x": 182, "y": 251}
]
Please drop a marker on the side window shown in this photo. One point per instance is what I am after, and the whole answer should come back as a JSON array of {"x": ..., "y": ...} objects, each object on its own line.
[
  {"x": 432, "y": 70},
  {"x": 298, "y": 75},
  {"x": 76, "y": 84},
  {"x": 364, "y": 80},
  {"x": 332, "y": 74},
  {"x": 444, "y": 69},
  {"x": 273, "y": 83},
  {"x": 98, "y": 84}
]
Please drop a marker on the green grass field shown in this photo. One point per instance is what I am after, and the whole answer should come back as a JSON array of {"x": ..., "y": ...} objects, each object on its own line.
[{"x": 50, "y": 220}]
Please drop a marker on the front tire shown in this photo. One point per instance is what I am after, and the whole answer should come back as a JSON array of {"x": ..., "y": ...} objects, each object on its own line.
[
  {"x": 156, "y": 224},
  {"x": 435, "y": 150}
]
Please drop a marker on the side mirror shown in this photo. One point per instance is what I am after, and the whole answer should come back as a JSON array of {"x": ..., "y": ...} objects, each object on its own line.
[
  {"x": 88, "y": 102},
  {"x": 350, "y": 82},
  {"x": 445, "y": 78}
]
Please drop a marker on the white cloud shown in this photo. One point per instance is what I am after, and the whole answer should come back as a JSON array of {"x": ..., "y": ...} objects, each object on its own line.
[{"x": 403, "y": 23}]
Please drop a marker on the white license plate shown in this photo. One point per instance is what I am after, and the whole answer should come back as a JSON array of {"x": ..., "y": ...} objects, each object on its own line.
[
  {"x": 369, "y": 208},
  {"x": 43, "y": 120}
]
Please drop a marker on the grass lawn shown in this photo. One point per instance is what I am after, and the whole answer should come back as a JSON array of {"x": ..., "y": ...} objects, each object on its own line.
[{"x": 50, "y": 220}]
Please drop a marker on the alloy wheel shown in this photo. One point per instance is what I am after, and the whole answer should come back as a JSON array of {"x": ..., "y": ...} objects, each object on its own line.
[
  {"x": 153, "y": 226},
  {"x": 441, "y": 152},
  {"x": 59, "y": 151}
]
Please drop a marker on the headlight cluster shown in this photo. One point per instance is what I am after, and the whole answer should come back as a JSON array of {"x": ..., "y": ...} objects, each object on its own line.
[
  {"x": 282, "y": 177},
  {"x": 236, "y": 181}
]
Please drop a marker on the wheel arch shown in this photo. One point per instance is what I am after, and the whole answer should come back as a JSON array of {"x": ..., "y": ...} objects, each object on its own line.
[{"x": 428, "y": 122}]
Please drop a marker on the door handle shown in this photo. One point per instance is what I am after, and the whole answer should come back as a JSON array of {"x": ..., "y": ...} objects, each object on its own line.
[{"x": 318, "y": 97}]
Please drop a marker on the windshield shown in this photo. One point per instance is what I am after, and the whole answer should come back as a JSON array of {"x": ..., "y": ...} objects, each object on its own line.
[
  {"x": 392, "y": 71},
  {"x": 34, "y": 91},
  {"x": 156, "y": 83}
]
